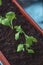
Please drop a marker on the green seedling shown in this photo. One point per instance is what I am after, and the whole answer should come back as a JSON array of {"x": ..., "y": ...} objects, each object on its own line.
[
  {"x": 28, "y": 43},
  {"x": 7, "y": 20},
  {"x": 0, "y": 2}
]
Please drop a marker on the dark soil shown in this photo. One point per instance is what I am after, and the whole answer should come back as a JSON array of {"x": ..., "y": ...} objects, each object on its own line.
[{"x": 8, "y": 44}]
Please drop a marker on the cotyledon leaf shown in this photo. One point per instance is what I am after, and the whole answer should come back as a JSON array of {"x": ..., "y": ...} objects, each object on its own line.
[{"x": 10, "y": 15}]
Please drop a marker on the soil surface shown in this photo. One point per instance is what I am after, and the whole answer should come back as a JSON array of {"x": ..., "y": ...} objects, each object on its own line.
[{"x": 8, "y": 44}]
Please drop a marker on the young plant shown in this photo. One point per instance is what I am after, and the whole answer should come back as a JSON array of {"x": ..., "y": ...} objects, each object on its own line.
[
  {"x": 28, "y": 43},
  {"x": 0, "y": 2},
  {"x": 7, "y": 20}
]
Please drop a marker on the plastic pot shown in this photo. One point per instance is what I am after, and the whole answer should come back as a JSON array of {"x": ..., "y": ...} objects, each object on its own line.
[
  {"x": 3, "y": 60},
  {"x": 29, "y": 18}
]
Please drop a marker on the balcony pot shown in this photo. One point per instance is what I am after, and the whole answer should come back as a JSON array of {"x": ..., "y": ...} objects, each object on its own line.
[{"x": 8, "y": 45}]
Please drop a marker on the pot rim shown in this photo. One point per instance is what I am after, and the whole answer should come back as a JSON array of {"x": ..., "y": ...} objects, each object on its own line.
[
  {"x": 3, "y": 59},
  {"x": 27, "y": 16}
]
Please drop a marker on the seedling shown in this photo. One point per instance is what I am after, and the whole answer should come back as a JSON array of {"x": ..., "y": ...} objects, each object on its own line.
[
  {"x": 28, "y": 43},
  {"x": 0, "y": 2},
  {"x": 7, "y": 21}
]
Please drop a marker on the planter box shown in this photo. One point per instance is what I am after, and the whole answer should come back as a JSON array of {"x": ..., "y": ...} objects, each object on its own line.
[
  {"x": 18, "y": 59},
  {"x": 27, "y": 16},
  {"x": 3, "y": 60}
]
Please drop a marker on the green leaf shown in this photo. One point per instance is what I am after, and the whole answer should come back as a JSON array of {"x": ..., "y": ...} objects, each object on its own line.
[
  {"x": 27, "y": 45},
  {"x": 30, "y": 51},
  {"x": 18, "y": 28},
  {"x": 17, "y": 36},
  {"x": 20, "y": 47},
  {"x": 33, "y": 39},
  {"x": 8, "y": 20},
  {"x": 5, "y": 21},
  {"x": 10, "y": 15},
  {"x": 28, "y": 41},
  {"x": 0, "y": 2}
]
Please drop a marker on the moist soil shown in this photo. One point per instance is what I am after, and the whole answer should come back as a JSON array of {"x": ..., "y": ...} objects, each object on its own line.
[{"x": 8, "y": 45}]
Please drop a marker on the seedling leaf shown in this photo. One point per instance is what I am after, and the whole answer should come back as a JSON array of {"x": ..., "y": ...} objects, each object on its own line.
[
  {"x": 18, "y": 28},
  {"x": 10, "y": 15},
  {"x": 33, "y": 39},
  {"x": 30, "y": 51},
  {"x": 27, "y": 45},
  {"x": 6, "y": 22},
  {"x": 29, "y": 40},
  {"x": 17, "y": 36},
  {"x": 20, "y": 48}
]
